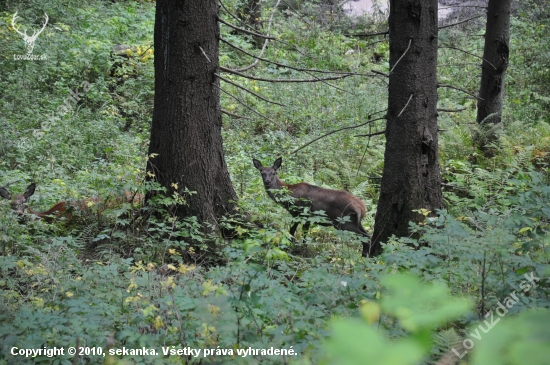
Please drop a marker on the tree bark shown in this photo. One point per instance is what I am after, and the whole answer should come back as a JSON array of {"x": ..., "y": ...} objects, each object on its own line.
[
  {"x": 186, "y": 131},
  {"x": 411, "y": 178},
  {"x": 250, "y": 14},
  {"x": 495, "y": 63}
]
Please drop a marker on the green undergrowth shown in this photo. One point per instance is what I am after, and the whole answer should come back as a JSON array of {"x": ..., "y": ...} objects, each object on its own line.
[{"x": 124, "y": 279}]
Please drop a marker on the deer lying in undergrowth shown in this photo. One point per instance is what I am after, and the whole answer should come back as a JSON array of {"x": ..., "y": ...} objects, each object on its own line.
[{"x": 65, "y": 209}]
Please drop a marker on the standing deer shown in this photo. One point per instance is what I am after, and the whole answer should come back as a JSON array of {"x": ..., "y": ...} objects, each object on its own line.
[
  {"x": 337, "y": 204},
  {"x": 62, "y": 209}
]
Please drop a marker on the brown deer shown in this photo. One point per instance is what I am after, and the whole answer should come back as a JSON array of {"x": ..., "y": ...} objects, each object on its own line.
[
  {"x": 64, "y": 209},
  {"x": 337, "y": 204}
]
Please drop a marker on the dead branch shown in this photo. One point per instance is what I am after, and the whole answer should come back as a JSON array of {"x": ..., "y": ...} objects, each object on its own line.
[
  {"x": 248, "y": 90},
  {"x": 266, "y": 41},
  {"x": 236, "y": 116},
  {"x": 232, "y": 15},
  {"x": 406, "y": 105},
  {"x": 470, "y": 53},
  {"x": 244, "y": 30},
  {"x": 457, "y": 23},
  {"x": 338, "y": 130},
  {"x": 371, "y": 134},
  {"x": 228, "y": 70},
  {"x": 450, "y": 110},
  {"x": 297, "y": 13},
  {"x": 329, "y": 84},
  {"x": 204, "y": 54},
  {"x": 250, "y": 108},
  {"x": 288, "y": 66},
  {"x": 367, "y": 34},
  {"x": 459, "y": 89},
  {"x": 400, "y": 58},
  {"x": 380, "y": 73}
]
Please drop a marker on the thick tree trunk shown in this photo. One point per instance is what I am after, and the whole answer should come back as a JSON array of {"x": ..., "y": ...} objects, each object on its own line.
[
  {"x": 495, "y": 63},
  {"x": 411, "y": 178},
  {"x": 186, "y": 130}
]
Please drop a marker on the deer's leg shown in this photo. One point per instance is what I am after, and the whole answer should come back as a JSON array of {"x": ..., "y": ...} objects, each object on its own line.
[{"x": 293, "y": 228}]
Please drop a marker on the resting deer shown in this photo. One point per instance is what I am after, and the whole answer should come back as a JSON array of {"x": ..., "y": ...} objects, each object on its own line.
[
  {"x": 64, "y": 209},
  {"x": 337, "y": 204}
]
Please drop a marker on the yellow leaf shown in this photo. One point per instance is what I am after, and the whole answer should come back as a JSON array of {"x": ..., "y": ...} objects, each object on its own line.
[
  {"x": 158, "y": 323},
  {"x": 169, "y": 283},
  {"x": 213, "y": 309},
  {"x": 69, "y": 294},
  {"x": 184, "y": 269},
  {"x": 132, "y": 285},
  {"x": 370, "y": 312},
  {"x": 208, "y": 287},
  {"x": 525, "y": 230}
]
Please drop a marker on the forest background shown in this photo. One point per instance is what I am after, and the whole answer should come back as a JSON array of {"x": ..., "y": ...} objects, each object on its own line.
[{"x": 119, "y": 277}]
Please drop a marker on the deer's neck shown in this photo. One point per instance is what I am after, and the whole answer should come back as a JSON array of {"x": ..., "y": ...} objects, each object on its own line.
[{"x": 276, "y": 184}]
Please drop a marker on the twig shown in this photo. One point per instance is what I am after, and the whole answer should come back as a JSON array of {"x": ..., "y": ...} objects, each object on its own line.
[
  {"x": 337, "y": 130},
  {"x": 225, "y": 69},
  {"x": 232, "y": 15},
  {"x": 250, "y": 108},
  {"x": 288, "y": 66},
  {"x": 248, "y": 90},
  {"x": 266, "y": 41},
  {"x": 329, "y": 84},
  {"x": 236, "y": 116},
  {"x": 380, "y": 73},
  {"x": 470, "y": 53},
  {"x": 403, "y": 55},
  {"x": 297, "y": 13},
  {"x": 405, "y": 107},
  {"x": 464, "y": 21},
  {"x": 450, "y": 110},
  {"x": 371, "y": 134},
  {"x": 244, "y": 30},
  {"x": 204, "y": 53},
  {"x": 459, "y": 89},
  {"x": 367, "y": 34}
]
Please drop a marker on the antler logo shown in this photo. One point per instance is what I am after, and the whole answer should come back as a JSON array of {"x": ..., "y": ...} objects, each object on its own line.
[{"x": 29, "y": 40}]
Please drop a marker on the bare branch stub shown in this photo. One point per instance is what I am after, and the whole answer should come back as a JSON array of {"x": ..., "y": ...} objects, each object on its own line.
[
  {"x": 406, "y": 105},
  {"x": 403, "y": 55}
]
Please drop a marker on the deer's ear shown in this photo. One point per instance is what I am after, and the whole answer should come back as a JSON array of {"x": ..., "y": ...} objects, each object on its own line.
[
  {"x": 277, "y": 163},
  {"x": 257, "y": 164},
  {"x": 4, "y": 193},
  {"x": 30, "y": 190}
]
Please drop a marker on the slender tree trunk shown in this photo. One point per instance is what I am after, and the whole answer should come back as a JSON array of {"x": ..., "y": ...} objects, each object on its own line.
[
  {"x": 251, "y": 14},
  {"x": 495, "y": 63},
  {"x": 411, "y": 178},
  {"x": 186, "y": 132}
]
